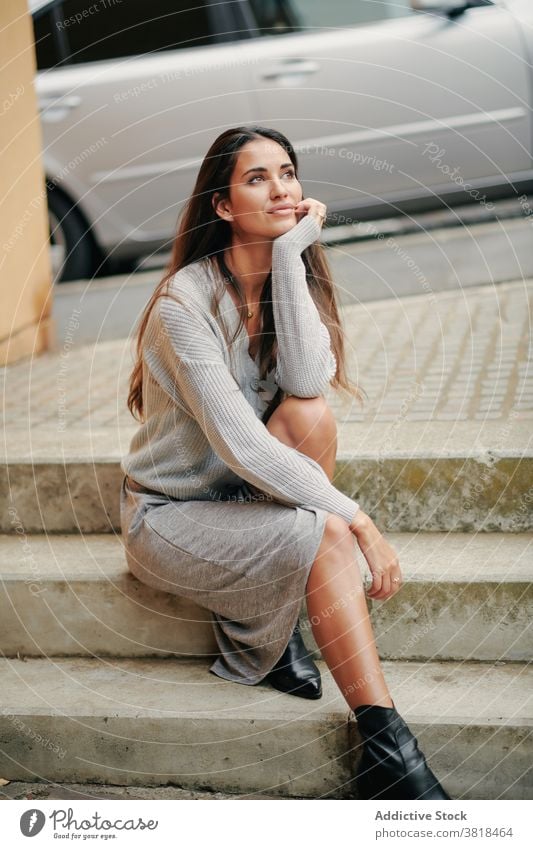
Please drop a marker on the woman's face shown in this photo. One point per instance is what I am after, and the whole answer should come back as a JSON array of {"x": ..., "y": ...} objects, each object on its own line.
[{"x": 263, "y": 179}]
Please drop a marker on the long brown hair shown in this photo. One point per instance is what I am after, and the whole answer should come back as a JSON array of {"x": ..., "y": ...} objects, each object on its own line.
[{"x": 202, "y": 234}]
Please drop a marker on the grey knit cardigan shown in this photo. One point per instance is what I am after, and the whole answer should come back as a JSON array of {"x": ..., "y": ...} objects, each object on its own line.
[{"x": 202, "y": 430}]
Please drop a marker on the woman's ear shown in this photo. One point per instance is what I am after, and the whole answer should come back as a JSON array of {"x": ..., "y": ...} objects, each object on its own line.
[{"x": 218, "y": 204}]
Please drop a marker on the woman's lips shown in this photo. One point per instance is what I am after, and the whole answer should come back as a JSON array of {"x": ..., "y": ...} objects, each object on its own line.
[{"x": 287, "y": 211}]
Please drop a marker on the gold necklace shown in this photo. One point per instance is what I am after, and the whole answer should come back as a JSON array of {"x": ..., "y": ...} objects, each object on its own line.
[{"x": 250, "y": 313}]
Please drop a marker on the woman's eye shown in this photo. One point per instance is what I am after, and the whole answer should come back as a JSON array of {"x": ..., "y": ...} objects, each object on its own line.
[{"x": 257, "y": 176}]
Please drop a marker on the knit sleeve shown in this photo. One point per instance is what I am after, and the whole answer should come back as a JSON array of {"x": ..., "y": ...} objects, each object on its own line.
[
  {"x": 203, "y": 383},
  {"x": 305, "y": 361}
]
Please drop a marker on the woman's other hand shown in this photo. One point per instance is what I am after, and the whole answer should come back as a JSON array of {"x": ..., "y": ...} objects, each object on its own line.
[{"x": 381, "y": 558}]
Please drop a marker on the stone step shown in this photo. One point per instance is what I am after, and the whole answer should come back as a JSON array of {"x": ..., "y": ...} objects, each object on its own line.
[
  {"x": 465, "y": 597},
  {"x": 90, "y": 791},
  {"x": 157, "y": 722},
  {"x": 71, "y": 483}
]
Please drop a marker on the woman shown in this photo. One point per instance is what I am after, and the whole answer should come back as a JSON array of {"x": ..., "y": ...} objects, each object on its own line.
[{"x": 227, "y": 497}]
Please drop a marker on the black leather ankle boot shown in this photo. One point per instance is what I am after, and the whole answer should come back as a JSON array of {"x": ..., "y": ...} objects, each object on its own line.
[
  {"x": 392, "y": 766},
  {"x": 295, "y": 672}
]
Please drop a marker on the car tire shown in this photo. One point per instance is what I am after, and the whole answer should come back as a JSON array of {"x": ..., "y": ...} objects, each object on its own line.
[{"x": 73, "y": 252}]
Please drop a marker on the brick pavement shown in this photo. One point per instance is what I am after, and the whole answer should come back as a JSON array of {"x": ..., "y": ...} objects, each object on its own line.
[{"x": 460, "y": 356}]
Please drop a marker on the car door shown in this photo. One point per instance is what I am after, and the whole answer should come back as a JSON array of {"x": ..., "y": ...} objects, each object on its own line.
[
  {"x": 385, "y": 102},
  {"x": 128, "y": 114}
]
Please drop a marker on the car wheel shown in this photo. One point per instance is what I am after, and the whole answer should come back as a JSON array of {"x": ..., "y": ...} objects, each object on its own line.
[{"x": 72, "y": 248}]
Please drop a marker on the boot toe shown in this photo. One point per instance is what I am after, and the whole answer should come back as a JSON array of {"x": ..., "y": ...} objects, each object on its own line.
[{"x": 306, "y": 688}]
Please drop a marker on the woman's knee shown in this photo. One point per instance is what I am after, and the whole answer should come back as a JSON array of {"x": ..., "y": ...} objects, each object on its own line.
[
  {"x": 337, "y": 536},
  {"x": 335, "y": 556},
  {"x": 306, "y": 417}
]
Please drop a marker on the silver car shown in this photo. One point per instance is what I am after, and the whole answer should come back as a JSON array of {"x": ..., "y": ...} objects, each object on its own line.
[{"x": 393, "y": 106}]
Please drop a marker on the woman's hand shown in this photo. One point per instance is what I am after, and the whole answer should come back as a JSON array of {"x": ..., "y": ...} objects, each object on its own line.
[
  {"x": 381, "y": 558},
  {"x": 311, "y": 207},
  {"x": 305, "y": 210}
]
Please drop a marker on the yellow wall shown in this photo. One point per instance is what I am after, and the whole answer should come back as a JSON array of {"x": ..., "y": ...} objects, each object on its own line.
[{"x": 25, "y": 271}]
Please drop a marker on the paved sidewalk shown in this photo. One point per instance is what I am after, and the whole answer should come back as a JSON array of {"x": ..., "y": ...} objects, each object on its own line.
[
  {"x": 387, "y": 267},
  {"x": 457, "y": 365}
]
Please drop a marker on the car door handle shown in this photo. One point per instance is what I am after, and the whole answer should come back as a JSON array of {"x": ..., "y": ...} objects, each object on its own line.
[
  {"x": 55, "y": 107},
  {"x": 292, "y": 67},
  {"x": 61, "y": 101}
]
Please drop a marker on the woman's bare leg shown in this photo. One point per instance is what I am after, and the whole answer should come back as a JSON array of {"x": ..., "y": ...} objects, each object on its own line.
[
  {"x": 336, "y": 602},
  {"x": 339, "y": 617},
  {"x": 338, "y": 614}
]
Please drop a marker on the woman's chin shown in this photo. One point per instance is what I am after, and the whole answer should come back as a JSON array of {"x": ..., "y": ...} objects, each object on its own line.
[
  {"x": 283, "y": 223},
  {"x": 274, "y": 228}
]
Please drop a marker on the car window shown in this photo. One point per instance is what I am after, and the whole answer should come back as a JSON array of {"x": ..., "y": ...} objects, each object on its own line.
[
  {"x": 132, "y": 27},
  {"x": 278, "y": 16},
  {"x": 46, "y": 43},
  {"x": 273, "y": 17}
]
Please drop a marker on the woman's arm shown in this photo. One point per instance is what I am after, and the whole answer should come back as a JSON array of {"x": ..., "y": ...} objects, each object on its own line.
[
  {"x": 187, "y": 360},
  {"x": 305, "y": 362}
]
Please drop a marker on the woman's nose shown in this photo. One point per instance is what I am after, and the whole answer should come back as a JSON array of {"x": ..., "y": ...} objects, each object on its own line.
[{"x": 278, "y": 187}]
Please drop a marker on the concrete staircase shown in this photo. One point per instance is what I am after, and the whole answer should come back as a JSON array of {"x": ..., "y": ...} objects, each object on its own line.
[
  {"x": 106, "y": 681},
  {"x": 465, "y": 598}
]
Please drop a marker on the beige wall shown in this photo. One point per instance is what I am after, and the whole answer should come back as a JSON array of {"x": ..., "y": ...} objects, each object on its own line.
[{"x": 25, "y": 272}]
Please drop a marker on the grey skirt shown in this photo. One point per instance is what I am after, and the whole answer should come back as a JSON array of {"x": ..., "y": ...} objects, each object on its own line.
[{"x": 244, "y": 558}]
